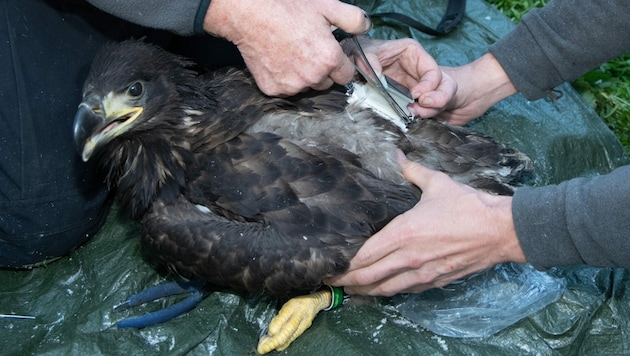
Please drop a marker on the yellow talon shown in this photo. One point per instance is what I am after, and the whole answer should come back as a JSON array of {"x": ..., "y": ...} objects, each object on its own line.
[{"x": 292, "y": 320}]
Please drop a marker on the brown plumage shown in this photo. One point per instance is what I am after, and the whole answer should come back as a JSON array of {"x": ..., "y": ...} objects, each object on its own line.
[{"x": 254, "y": 193}]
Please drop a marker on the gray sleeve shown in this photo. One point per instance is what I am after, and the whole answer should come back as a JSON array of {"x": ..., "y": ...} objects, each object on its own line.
[
  {"x": 580, "y": 221},
  {"x": 184, "y": 17},
  {"x": 562, "y": 41}
]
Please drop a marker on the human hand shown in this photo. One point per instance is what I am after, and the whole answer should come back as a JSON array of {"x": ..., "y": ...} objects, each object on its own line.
[
  {"x": 480, "y": 84},
  {"x": 454, "y": 94},
  {"x": 452, "y": 232},
  {"x": 288, "y": 45},
  {"x": 408, "y": 63}
]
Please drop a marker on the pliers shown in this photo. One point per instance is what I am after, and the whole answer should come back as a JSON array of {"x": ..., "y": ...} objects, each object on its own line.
[{"x": 194, "y": 288}]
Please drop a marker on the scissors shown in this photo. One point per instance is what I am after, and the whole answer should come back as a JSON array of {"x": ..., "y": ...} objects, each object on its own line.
[{"x": 395, "y": 95}]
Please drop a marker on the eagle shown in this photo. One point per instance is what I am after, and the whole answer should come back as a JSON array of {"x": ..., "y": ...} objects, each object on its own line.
[{"x": 261, "y": 194}]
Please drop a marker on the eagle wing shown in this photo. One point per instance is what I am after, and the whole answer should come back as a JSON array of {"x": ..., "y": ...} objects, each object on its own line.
[{"x": 262, "y": 213}]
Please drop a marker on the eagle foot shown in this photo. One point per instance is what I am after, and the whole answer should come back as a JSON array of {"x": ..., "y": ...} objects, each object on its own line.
[{"x": 293, "y": 319}]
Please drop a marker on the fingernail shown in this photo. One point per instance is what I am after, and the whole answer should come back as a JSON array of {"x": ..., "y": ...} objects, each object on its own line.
[
  {"x": 369, "y": 22},
  {"x": 401, "y": 156},
  {"x": 427, "y": 101}
]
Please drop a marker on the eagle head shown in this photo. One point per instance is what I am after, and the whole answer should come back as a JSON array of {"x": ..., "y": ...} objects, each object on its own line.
[
  {"x": 134, "y": 100},
  {"x": 131, "y": 85}
]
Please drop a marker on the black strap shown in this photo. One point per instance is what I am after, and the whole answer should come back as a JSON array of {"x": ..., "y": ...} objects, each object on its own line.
[{"x": 454, "y": 14}]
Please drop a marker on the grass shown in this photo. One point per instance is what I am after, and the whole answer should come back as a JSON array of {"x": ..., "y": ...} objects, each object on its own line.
[{"x": 606, "y": 88}]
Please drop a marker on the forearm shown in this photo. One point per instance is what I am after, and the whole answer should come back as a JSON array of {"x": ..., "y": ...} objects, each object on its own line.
[
  {"x": 506, "y": 244},
  {"x": 184, "y": 17},
  {"x": 581, "y": 221},
  {"x": 562, "y": 41},
  {"x": 222, "y": 17},
  {"x": 484, "y": 75},
  {"x": 480, "y": 84}
]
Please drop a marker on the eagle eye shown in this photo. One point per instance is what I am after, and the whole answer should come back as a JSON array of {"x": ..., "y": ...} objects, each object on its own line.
[{"x": 135, "y": 89}]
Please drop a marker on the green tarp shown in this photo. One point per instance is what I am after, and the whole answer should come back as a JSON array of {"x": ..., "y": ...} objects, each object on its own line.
[{"x": 72, "y": 299}]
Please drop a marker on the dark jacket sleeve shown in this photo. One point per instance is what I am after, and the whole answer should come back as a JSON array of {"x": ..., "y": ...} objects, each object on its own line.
[
  {"x": 580, "y": 221},
  {"x": 562, "y": 41},
  {"x": 184, "y": 17}
]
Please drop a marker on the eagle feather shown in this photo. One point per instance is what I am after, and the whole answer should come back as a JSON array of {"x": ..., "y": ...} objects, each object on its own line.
[{"x": 255, "y": 193}]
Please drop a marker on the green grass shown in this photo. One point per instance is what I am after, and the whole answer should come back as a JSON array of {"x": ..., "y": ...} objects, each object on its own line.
[{"x": 606, "y": 88}]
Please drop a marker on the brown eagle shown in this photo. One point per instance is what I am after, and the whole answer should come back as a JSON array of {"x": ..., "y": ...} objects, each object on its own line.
[{"x": 255, "y": 193}]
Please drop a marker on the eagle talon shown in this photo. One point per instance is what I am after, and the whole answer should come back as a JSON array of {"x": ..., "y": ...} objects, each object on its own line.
[
  {"x": 166, "y": 314},
  {"x": 292, "y": 320}
]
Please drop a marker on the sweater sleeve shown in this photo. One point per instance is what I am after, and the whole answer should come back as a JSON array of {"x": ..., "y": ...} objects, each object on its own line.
[
  {"x": 580, "y": 221},
  {"x": 184, "y": 17},
  {"x": 562, "y": 41}
]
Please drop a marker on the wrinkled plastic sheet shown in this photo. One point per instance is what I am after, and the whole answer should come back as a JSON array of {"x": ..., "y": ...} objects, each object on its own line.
[
  {"x": 72, "y": 299},
  {"x": 484, "y": 303}
]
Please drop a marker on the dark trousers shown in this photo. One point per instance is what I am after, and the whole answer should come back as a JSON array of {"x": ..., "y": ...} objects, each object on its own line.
[{"x": 50, "y": 201}]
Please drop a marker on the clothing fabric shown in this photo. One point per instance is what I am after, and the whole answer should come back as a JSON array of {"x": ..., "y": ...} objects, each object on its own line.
[
  {"x": 184, "y": 17},
  {"x": 562, "y": 41},
  {"x": 580, "y": 221},
  {"x": 584, "y": 220},
  {"x": 49, "y": 202}
]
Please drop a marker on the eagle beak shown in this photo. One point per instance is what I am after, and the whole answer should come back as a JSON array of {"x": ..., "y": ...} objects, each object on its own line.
[{"x": 98, "y": 122}]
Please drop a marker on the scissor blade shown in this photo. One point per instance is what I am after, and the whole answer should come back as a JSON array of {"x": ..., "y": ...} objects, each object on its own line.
[
  {"x": 396, "y": 95},
  {"x": 399, "y": 88}
]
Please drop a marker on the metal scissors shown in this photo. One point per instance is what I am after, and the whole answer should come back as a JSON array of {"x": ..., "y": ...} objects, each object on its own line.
[{"x": 395, "y": 94}]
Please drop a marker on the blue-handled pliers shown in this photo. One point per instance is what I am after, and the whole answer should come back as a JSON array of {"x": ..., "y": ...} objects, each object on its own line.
[{"x": 194, "y": 288}]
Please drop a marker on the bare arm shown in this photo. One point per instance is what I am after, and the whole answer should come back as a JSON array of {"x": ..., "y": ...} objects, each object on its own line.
[
  {"x": 455, "y": 94},
  {"x": 481, "y": 84}
]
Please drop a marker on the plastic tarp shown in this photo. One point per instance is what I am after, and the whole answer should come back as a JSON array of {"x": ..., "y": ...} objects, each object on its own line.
[{"x": 72, "y": 299}]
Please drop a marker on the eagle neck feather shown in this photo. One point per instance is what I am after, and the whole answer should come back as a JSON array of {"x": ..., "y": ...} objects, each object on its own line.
[{"x": 145, "y": 167}]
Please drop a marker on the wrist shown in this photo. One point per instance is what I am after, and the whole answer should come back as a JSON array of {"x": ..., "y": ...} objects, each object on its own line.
[
  {"x": 509, "y": 248},
  {"x": 492, "y": 79},
  {"x": 480, "y": 84},
  {"x": 219, "y": 20}
]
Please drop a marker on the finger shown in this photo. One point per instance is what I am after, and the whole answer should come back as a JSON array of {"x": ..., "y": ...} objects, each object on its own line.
[
  {"x": 435, "y": 97},
  {"x": 454, "y": 119},
  {"x": 280, "y": 91},
  {"x": 347, "y": 17},
  {"x": 376, "y": 259},
  {"x": 416, "y": 173},
  {"x": 271, "y": 87},
  {"x": 324, "y": 84},
  {"x": 371, "y": 276},
  {"x": 437, "y": 100},
  {"x": 430, "y": 81},
  {"x": 419, "y": 68},
  {"x": 433, "y": 274},
  {"x": 373, "y": 62},
  {"x": 403, "y": 282},
  {"x": 381, "y": 245},
  {"x": 431, "y": 104},
  {"x": 423, "y": 112},
  {"x": 343, "y": 72}
]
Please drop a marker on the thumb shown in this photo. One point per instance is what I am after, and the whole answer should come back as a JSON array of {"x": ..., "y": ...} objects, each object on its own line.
[
  {"x": 416, "y": 173},
  {"x": 347, "y": 17}
]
